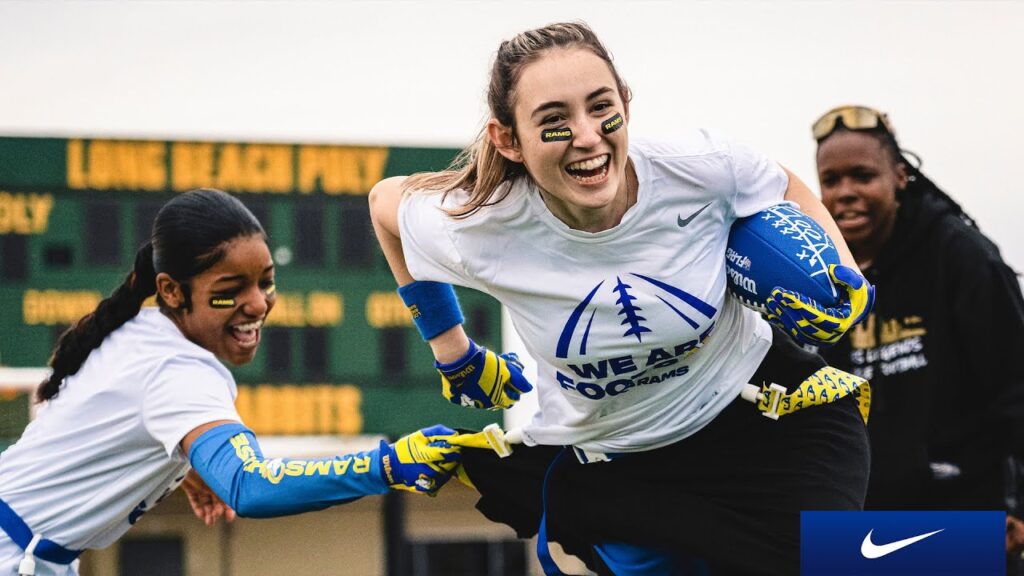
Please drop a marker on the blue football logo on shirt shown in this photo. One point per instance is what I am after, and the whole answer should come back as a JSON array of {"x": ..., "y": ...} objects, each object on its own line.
[
  {"x": 596, "y": 378},
  {"x": 630, "y": 312}
]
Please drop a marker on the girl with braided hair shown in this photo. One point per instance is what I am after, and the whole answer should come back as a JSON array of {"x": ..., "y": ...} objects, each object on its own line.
[
  {"x": 139, "y": 402},
  {"x": 941, "y": 346}
]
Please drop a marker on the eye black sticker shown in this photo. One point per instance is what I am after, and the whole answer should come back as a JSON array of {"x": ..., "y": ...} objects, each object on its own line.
[
  {"x": 222, "y": 302},
  {"x": 612, "y": 124},
  {"x": 556, "y": 135}
]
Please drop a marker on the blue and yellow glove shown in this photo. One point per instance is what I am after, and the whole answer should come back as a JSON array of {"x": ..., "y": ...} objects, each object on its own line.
[
  {"x": 420, "y": 462},
  {"x": 811, "y": 323},
  {"x": 483, "y": 379}
]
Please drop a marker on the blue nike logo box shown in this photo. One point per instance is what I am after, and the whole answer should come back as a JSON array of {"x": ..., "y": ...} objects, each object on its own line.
[{"x": 903, "y": 543}]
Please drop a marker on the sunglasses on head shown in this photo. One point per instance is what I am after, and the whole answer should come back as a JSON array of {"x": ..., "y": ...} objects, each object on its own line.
[{"x": 853, "y": 118}]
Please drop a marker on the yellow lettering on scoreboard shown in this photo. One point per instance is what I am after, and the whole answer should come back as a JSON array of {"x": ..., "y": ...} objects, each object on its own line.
[
  {"x": 24, "y": 213},
  {"x": 53, "y": 307},
  {"x": 340, "y": 170},
  {"x": 228, "y": 164},
  {"x": 116, "y": 165},
  {"x": 301, "y": 410},
  {"x": 325, "y": 309},
  {"x": 232, "y": 167},
  {"x": 295, "y": 310},
  {"x": 268, "y": 168},
  {"x": 288, "y": 311},
  {"x": 191, "y": 165},
  {"x": 386, "y": 310}
]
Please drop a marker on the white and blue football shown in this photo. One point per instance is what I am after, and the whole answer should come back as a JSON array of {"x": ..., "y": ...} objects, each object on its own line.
[{"x": 780, "y": 247}]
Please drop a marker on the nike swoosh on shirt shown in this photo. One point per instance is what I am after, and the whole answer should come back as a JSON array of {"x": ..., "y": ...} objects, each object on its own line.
[
  {"x": 870, "y": 550},
  {"x": 684, "y": 221}
]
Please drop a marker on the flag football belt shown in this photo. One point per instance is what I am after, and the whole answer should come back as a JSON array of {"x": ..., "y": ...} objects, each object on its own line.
[
  {"x": 21, "y": 534},
  {"x": 493, "y": 438},
  {"x": 590, "y": 456},
  {"x": 825, "y": 386}
]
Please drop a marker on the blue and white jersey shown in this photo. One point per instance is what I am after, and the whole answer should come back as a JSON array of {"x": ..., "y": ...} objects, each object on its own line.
[
  {"x": 637, "y": 344},
  {"x": 106, "y": 449}
]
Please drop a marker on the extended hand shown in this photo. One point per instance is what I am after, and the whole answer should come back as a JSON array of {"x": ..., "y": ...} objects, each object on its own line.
[
  {"x": 206, "y": 505},
  {"x": 483, "y": 379},
  {"x": 420, "y": 462},
  {"x": 811, "y": 323}
]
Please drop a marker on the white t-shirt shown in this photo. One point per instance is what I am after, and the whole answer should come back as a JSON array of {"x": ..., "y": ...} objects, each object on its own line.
[
  {"x": 106, "y": 449},
  {"x": 637, "y": 344}
]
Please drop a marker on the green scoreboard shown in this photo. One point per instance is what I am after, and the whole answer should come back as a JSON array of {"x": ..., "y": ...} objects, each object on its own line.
[{"x": 339, "y": 353}]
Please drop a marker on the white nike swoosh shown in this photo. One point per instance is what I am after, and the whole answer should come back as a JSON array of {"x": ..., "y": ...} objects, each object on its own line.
[{"x": 871, "y": 550}]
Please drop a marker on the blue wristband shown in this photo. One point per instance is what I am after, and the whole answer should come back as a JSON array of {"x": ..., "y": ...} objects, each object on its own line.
[{"x": 433, "y": 306}]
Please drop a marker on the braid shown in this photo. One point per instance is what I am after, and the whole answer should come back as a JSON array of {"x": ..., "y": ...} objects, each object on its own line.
[
  {"x": 75, "y": 344},
  {"x": 918, "y": 183},
  {"x": 189, "y": 236}
]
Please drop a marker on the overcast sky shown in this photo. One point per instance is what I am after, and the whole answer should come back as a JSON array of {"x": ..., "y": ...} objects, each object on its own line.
[{"x": 413, "y": 73}]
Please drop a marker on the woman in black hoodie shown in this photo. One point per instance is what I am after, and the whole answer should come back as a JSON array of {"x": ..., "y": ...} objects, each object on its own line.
[{"x": 943, "y": 346}]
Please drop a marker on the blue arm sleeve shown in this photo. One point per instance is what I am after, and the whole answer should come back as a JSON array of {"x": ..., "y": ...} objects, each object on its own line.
[{"x": 230, "y": 461}]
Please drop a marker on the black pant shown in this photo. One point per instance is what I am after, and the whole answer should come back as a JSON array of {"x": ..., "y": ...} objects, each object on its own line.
[{"x": 731, "y": 494}]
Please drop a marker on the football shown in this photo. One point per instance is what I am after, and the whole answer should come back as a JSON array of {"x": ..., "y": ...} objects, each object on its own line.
[{"x": 780, "y": 247}]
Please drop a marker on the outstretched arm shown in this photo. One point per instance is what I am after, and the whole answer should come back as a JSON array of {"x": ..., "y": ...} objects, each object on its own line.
[{"x": 227, "y": 456}]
